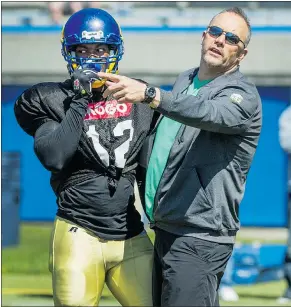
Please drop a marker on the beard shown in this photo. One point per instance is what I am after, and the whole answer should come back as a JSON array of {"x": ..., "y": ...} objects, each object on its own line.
[{"x": 212, "y": 61}]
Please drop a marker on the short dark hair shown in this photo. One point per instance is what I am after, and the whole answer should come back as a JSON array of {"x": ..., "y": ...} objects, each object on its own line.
[{"x": 240, "y": 12}]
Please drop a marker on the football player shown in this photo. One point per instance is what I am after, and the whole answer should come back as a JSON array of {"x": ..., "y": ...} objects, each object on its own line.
[{"x": 91, "y": 145}]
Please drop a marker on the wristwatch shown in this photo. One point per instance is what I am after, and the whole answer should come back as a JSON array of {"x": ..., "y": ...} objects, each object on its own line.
[{"x": 150, "y": 94}]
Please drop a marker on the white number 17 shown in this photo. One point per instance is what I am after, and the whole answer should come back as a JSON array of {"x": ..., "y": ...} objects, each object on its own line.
[{"x": 120, "y": 151}]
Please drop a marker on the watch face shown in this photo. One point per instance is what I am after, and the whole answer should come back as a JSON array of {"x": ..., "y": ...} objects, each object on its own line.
[{"x": 152, "y": 92}]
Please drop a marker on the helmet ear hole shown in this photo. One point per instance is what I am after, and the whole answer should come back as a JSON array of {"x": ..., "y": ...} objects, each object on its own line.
[
  {"x": 112, "y": 50},
  {"x": 72, "y": 48},
  {"x": 112, "y": 47}
]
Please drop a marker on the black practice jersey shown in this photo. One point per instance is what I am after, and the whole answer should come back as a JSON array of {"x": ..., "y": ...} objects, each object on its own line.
[{"x": 91, "y": 148}]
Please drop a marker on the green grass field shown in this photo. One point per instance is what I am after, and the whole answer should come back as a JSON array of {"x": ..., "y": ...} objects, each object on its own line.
[{"x": 26, "y": 280}]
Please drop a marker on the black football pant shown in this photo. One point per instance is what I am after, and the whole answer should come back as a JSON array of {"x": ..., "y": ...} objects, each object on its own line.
[{"x": 187, "y": 270}]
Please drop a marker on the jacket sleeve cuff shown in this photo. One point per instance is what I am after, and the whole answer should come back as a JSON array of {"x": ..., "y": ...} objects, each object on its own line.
[{"x": 166, "y": 103}]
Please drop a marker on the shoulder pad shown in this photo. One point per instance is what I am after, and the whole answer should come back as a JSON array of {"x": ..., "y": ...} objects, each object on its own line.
[{"x": 39, "y": 104}]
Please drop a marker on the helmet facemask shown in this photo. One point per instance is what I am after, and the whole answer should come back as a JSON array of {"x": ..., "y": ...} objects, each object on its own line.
[{"x": 107, "y": 63}]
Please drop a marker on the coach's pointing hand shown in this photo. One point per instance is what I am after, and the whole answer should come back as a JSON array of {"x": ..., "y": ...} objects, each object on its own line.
[{"x": 122, "y": 88}]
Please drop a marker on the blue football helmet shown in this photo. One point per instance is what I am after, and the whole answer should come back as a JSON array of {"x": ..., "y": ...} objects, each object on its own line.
[{"x": 91, "y": 26}]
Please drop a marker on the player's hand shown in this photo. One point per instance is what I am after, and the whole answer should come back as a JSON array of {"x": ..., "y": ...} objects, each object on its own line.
[{"x": 82, "y": 81}]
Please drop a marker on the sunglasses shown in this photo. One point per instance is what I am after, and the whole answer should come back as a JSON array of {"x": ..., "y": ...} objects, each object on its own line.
[{"x": 231, "y": 38}]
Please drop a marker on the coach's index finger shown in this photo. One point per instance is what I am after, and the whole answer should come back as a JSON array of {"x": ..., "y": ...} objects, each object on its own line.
[{"x": 112, "y": 77}]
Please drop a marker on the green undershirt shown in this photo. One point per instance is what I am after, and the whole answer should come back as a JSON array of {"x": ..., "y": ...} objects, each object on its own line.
[{"x": 164, "y": 140}]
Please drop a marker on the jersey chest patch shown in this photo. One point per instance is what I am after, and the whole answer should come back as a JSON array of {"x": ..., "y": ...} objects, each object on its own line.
[{"x": 107, "y": 109}]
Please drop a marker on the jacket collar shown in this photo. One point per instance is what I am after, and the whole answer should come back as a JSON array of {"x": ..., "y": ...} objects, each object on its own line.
[{"x": 234, "y": 74}]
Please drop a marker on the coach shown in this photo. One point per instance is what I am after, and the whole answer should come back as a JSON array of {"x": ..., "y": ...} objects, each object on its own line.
[{"x": 197, "y": 159}]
